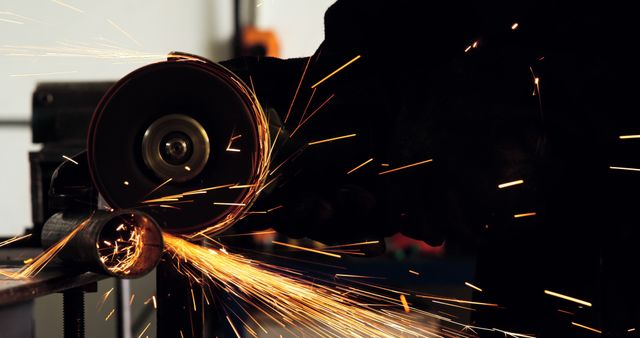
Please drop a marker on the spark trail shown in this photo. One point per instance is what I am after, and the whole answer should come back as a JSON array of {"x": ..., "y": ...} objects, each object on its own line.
[{"x": 299, "y": 305}]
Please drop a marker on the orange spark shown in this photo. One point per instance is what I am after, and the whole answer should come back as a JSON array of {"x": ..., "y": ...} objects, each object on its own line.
[
  {"x": 335, "y": 71},
  {"x": 233, "y": 327},
  {"x": 286, "y": 118},
  {"x": 404, "y": 167},
  {"x": 586, "y": 327},
  {"x": 527, "y": 214},
  {"x": 454, "y": 300},
  {"x": 125, "y": 33},
  {"x": 311, "y": 115},
  {"x": 625, "y": 168},
  {"x": 514, "y": 26},
  {"x": 414, "y": 272},
  {"x": 68, "y": 6},
  {"x": 158, "y": 187},
  {"x": 472, "y": 286},
  {"x": 69, "y": 159},
  {"x": 144, "y": 330},
  {"x": 360, "y": 166},
  {"x": 14, "y": 239},
  {"x": 510, "y": 184},
  {"x": 566, "y": 312},
  {"x": 110, "y": 314},
  {"x": 626, "y": 137},
  {"x": 575, "y": 300},
  {"x": 351, "y": 244},
  {"x": 307, "y": 249},
  {"x": 48, "y": 255},
  {"x": 230, "y": 203},
  {"x": 405, "y": 305},
  {"x": 331, "y": 139},
  {"x": 105, "y": 296}
]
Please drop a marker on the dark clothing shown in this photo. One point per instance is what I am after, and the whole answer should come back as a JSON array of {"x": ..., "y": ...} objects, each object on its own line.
[{"x": 421, "y": 90}]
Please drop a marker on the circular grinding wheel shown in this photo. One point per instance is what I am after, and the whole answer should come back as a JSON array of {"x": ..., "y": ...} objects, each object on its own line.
[{"x": 185, "y": 140}]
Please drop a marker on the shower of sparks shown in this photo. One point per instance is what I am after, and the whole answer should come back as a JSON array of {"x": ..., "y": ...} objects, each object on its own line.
[
  {"x": 69, "y": 159},
  {"x": 571, "y": 299},
  {"x": 44, "y": 74},
  {"x": 586, "y": 327},
  {"x": 359, "y": 166},
  {"x": 526, "y": 214},
  {"x": 625, "y": 168},
  {"x": 48, "y": 255},
  {"x": 331, "y": 139},
  {"x": 405, "y": 305},
  {"x": 302, "y": 122},
  {"x": 414, "y": 272},
  {"x": 286, "y": 118},
  {"x": 125, "y": 33},
  {"x": 510, "y": 184},
  {"x": 472, "y": 286},
  {"x": 67, "y": 6},
  {"x": 110, "y": 314},
  {"x": 566, "y": 312},
  {"x": 404, "y": 167},
  {"x": 122, "y": 252},
  {"x": 307, "y": 249},
  {"x": 626, "y": 137},
  {"x": 514, "y": 26},
  {"x": 300, "y": 305},
  {"x": 336, "y": 71},
  {"x": 14, "y": 239},
  {"x": 78, "y": 50}
]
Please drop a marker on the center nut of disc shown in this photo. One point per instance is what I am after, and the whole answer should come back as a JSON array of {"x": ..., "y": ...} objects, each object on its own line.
[{"x": 175, "y": 147}]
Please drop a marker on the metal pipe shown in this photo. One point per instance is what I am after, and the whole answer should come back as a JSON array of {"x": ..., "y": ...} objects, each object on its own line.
[{"x": 84, "y": 249}]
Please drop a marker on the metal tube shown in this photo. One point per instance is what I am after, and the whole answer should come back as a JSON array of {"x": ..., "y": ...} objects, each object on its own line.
[{"x": 82, "y": 250}]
